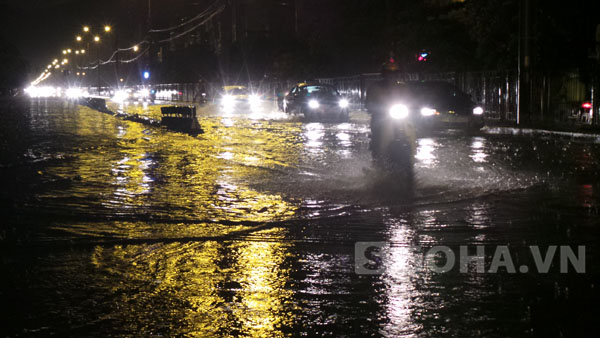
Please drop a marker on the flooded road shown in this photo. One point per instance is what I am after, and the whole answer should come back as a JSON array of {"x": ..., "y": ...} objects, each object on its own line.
[{"x": 115, "y": 228}]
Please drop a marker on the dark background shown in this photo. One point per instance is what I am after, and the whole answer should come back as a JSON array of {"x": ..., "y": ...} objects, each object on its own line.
[{"x": 333, "y": 37}]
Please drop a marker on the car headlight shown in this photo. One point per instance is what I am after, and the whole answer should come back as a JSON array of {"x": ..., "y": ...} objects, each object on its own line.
[
  {"x": 427, "y": 111},
  {"x": 477, "y": 111},
  {"x": 314, "y": 104},
  {"x": 399, "y": 111},
  {"x": 227, "y": 100},
  {"x": 343, "y": 103},
  {"x": 254, "y": 100}
]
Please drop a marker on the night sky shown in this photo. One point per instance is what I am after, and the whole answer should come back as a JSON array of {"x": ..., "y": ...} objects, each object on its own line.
[
  {"x": 339, "y": 32},
  {"x": 42, "y": 28}
]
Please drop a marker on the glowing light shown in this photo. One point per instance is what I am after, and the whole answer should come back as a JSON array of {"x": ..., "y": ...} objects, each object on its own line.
[
  {"x": 86, "y": 29},
  {"x": 146, "y": 75},
  {"x": 427, "y": 111},
  {"x": 477, "y": 110},
  {"x": 254, "y": 101},
  {"x": 107, "y": 28},
  {"x": 69, "y": 50},
  {"x": 399, "y": 111},
  {"x": 97, "y": 38},
  {"x": 314, "y": 104},
  {"x": 74, "y": 93},
  {"x": 227, "y": 101},
  {"x": 586, "y": 105},
  {"x": 77, "y": 52},
  {"x": 343, "y": 103},
  {"x": 78, "y": 38},
  {"x": 83, "y": 51},
  {"x": 64, "y": 51},
  {"x": 46, "y": 91},
  {"x": 136, "y": 48},
  {"x": 120, "y": 96}
]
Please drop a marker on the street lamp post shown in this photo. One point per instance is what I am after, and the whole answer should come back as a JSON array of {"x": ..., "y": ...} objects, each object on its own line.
[{"x": 97, "y": 42}]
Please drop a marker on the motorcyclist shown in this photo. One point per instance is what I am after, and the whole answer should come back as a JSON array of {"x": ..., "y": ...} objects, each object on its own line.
[{"x": 392, "y": 140}]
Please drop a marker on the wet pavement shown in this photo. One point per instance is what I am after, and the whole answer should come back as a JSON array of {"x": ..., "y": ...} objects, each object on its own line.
[{"x": 117, "y": 228}]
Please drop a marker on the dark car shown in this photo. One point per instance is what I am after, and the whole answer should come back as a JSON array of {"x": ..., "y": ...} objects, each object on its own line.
[
  {"x": 441, "y": 105},
  {"x": 316, "y": 101}
]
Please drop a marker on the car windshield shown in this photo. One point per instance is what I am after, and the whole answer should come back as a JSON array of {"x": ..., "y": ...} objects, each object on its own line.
[
  {"x": 320, "y": 90},
  {"x": 237, "y": 91}
]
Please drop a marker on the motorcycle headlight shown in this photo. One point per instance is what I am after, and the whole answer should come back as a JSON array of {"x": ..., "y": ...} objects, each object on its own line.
[
  {"x": 254, "y": 100},
  {"x": 398, "y": 111},
  {"x": 427, "y": 111},
  {"x": 314, "y": 104},
  {"x": 343, "y": 103},
  {"x": 477, "y": 111},
  {"x": 227, "y": 100}
]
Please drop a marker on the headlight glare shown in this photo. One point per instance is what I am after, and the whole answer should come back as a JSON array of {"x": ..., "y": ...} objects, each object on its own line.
[
  {"x": 227, "y": 100},
  {"x": 427, "y": 111},
  {"x": 477, "y": 111},
  {"x": 343, "y": 103},
  {"x": 314, "y": 104},
  {"x": 254, "y": 100},
  {"x": 399, "y": 111}
]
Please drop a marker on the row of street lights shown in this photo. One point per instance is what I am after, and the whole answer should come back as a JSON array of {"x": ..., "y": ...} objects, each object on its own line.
[{"x": 85, "y": 37}]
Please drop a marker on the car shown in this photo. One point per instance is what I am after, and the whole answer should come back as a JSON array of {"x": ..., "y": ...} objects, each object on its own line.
[
  {"x": 316, "y": 101},
  {"x": 239, "y": 98},
  {"x": 441, "y": 105}
]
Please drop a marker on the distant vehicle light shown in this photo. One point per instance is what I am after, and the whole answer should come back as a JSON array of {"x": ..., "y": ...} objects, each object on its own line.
[
  {"x": 120, "y": 96},
  {"x": 586, "y": 105},
  {"x": 343, "y": 103},
  {"x": 427, "y": 111},
  {"x": 146, "y": 75},
  {"x": 399, "y": 111},
  {"x": 477, "y": 111},
  {"x": 74, "y": 93},
  {"x": 314, "y": 104}
]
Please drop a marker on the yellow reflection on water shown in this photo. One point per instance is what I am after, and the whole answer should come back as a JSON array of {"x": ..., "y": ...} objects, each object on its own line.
[{"x": 174, "y": 193}]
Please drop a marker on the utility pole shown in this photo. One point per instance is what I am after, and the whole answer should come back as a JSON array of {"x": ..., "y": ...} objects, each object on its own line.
[{"x": 118, "y": 57}]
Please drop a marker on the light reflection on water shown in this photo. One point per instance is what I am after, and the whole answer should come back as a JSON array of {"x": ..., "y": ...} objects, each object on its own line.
[
  {"x": 425, "y": 155},
  {"x": 224, "y": 234}
]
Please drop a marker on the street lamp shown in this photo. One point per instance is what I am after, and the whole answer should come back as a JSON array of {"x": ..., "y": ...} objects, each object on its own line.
[
  {"x": 107, "y": 28},
  {"x": 97, "y": 38},
  {"x": 78, "y": 38},
  {"x": 136, "y": 48},
  {"x": 86, "y": 29}
]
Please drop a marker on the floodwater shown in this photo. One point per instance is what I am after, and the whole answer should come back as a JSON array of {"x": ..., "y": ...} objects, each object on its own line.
[{"x": 116, "y": 228}]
